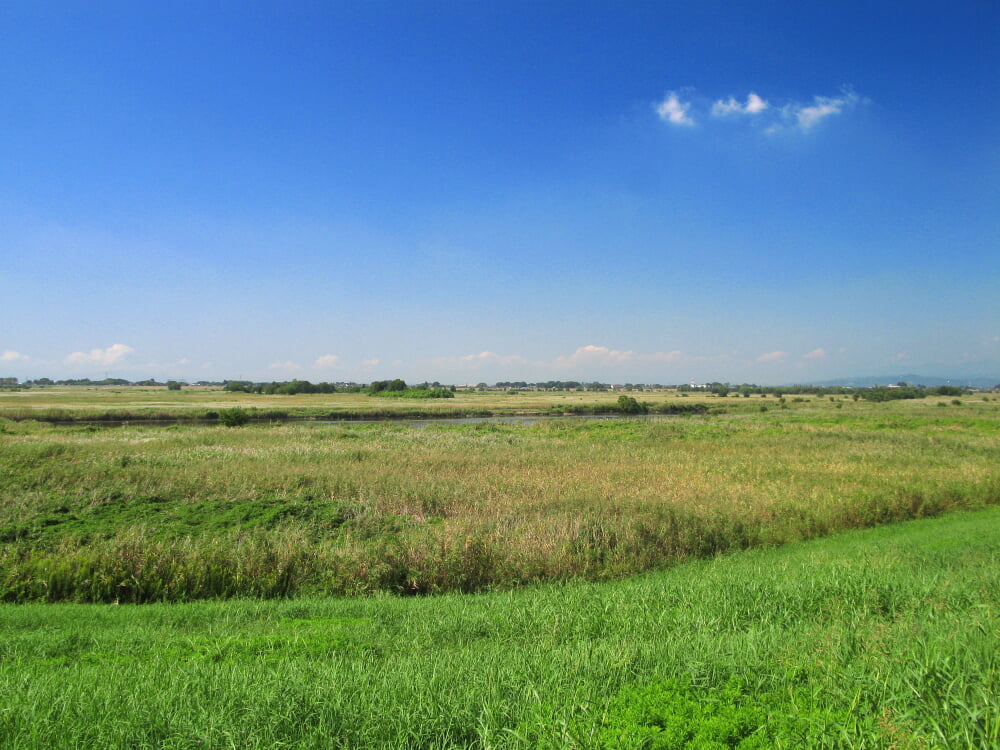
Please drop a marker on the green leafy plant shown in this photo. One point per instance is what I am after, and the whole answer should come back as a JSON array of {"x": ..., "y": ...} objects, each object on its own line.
[
  {"x": 235, "y": 417},
  {"x": 628, "y": 405}
]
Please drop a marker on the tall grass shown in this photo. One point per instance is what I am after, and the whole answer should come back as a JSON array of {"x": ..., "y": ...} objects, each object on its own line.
[
  {"x": 139, "y": 514},
  {"x": 71, "y": 404},
  {"x": 878, "y": 639}
]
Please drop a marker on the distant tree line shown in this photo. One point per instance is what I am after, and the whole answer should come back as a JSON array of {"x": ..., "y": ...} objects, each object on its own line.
[
  {"x": 174, "y": 385},
  {"x": 398, "y": 386},
  {"x": 79, "y": 381},
  {"x": 875, "y": 393},
  {"x": 288, "y": 388},
  {"x": 395, "y": 388},
  {"x": 904, "y": 391}
]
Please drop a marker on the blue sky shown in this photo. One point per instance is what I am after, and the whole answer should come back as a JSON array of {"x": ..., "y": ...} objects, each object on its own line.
[{"x": 764, "y": 192}]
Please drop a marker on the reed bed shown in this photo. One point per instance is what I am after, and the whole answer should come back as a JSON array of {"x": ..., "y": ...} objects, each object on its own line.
[
  {"x": 104, "y": 403},
  {"x": 173, "y": 513}
]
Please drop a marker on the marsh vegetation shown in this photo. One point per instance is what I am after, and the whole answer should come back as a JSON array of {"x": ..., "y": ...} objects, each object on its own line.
[
  {"x": 152, "y": 513},
  {"x": 606, "y": 615}
]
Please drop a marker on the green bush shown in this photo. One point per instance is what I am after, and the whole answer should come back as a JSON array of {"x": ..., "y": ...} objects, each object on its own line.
[
  {"x": 414, "y": 393},
  {"x": 235, "y": 417},
  {"x": 628, "y": 405}
]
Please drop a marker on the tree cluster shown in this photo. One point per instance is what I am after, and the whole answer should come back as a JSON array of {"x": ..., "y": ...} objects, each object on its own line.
[
  {"x": 399, "y": 389},
  {"x": 904, "y": 391},
  {"x": 628, "y": 405},
  {"x": 390, "y": 386},
  {"x": 285, "y": 388}
]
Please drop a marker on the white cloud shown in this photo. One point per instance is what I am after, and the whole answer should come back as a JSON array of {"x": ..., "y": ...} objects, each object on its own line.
[
  {"x": 674, "y": 111},
  {"x": 721, "y": 108},
  {"x": 12, "y": 356},
  {"x": 328, "y": 361},
  {"x": 793, "y": 115},
  {"x": 594, "y": 355},
  {"x": 822, "y": 107},
  {"x": 754, "y": 105},
  {"x": 772, "y": 357},
  {"x": 108, "y": 356},
  {"x": 815, "y": 354},
  {"x": 368, "y": 364},
  {"x": 591, "y": 355}
]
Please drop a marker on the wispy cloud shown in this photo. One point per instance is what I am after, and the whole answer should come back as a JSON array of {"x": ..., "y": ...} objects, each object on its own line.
[
  {"x": 754, "y": 105},
  {"x": 815, "y": 354},
  {"x": 772, "y": 357},
  {"x": 328, "y": 361},
  {"x": 591, "y": 355},
  {"x": 106, "y": 357},
  {"x": 594, "y": 355},
  {"x": 12, "y": 356},
  {"x": 588, "y": 357},
  {"x": 806, "y": 117},
  {"x": 756, "y": 111},
  {"x": 673, "y": 110}
]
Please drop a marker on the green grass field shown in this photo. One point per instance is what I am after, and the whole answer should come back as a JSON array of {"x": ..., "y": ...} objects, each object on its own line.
[
  {"x": 742, "y": 577},
  {"x": 883, "y": 638},
  {"x": 170, "y": 513}
]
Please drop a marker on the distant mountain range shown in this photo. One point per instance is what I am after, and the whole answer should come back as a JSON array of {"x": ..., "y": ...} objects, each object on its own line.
[{"x": 931, "y": 381}]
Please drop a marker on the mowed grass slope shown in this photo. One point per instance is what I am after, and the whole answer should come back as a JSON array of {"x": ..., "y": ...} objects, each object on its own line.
[
  {"x": 146, "y": 513},
  {"x": 884, "y": 638}
]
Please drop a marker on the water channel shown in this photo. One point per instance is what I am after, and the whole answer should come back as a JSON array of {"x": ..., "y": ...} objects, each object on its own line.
[{"x": 410, "y": 421}]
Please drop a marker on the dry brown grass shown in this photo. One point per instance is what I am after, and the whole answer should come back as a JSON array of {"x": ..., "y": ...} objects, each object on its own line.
[{"x": 354, "y": 507}]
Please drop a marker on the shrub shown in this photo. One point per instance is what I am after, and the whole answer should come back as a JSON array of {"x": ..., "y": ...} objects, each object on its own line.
[
  {"x": 946, "y": 390},
  {"x": 628, "y": 405},
  {"x": 378, "y": 386},
  {"x": 414, "y": 393},
  {"x": 235, "y": 417}
]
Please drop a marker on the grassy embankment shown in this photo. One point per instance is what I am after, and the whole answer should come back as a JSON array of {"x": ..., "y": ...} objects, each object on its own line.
[
  {"x": 145, "y": 513},
  {"x": 885, "y": 638}
]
